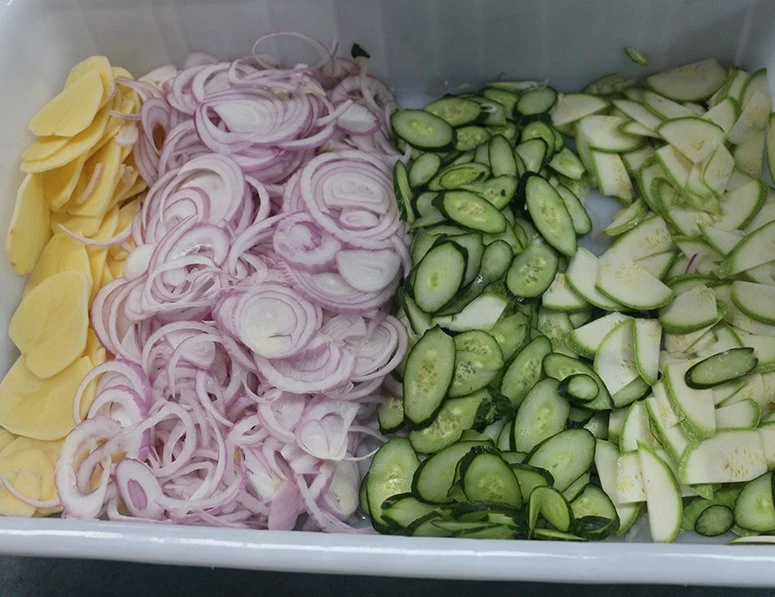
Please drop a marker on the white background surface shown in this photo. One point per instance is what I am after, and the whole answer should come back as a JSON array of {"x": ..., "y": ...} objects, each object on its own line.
[{"x": 413, "y": 43}]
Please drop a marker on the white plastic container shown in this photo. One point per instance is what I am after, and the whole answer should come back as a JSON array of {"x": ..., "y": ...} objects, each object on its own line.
[{"x": 413, "y": 43}]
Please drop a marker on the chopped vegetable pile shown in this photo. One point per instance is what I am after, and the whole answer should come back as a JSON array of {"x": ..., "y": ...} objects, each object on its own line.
[{"x": 263, "y": 296}]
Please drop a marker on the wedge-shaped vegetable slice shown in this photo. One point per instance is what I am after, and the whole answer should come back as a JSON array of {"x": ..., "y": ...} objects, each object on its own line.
[
  {"x": 740, "y": 415},
  {"x": 29, "y": 230},
  {"x": 648, "y": 238},
  {"x": 694, "y": 137},
  {"x": 636, "y": 429},
  {"x": 648, "y": 338},
  {"x": 101, "y": 66},
  {"x": 606, "y": 456},
  {"x": 731, "y": 456},
  {"x": 61, "y": 254},
  {"x": 581, "y": 276},
  {"x": 575, "y": 106},
  {"x": 638, "y": 113},
  {"x": 755, "y": 300},
  {"x": 561, "y": 297},
  {"x": 603, "y": 133},
  {"x": 694, "y": 407},
  {"x": 615, "y": 358},
  {"x": 770, "y": 146},
  {"x": 664, "y": 107},
  {"x": 749, "y": 155},
  {"x": 690, "y": 82},
  {"x": 627, "y": 218},
  {"x": 72, "y": 111},
  {"x": 754, "y": 117},
  {"x": 738, "y": 207},
  {"x": 629, "y": 284},
  {"x": 50, "y": 324},
  {"x": 724, "y": 114},
  {"x": 566, "y": 456},
  {"x": 690, "y": 311},
  {"x": 663, "y": 496},
  {"x": 586, "y": 339},
  {"x": 40, "y": 408},
  {"x": 755, "y": 249},
  {"x": 612, "y": 177}
]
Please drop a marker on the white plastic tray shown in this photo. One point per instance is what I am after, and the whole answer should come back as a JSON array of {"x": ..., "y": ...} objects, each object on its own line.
[{"x": 413, "y": 44}]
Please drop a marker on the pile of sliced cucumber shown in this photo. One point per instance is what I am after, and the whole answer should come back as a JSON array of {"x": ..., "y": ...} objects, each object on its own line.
[{"x": 551, "y": 393}]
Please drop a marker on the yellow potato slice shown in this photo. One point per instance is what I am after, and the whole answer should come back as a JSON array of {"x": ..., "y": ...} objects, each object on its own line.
[
  {"x": 72, "y": 111},
  {"x": 82, "y": 143},
  {"x": 98, "y": 357},
  {"x": 59, "y": 183},
  {"x": 18, "y": 473},
  {"x": 101, "y": 66},
  {"x": 115, "y": 266},
  {"x": 50, "y": 324},
  {"x": 29, "y": 230},
  {"x": 40, "y": 408},
  {"x": 97, "y": 256},
  {"x": 98, "y": 182},
  {"x": 81, "y": 225},
  {"x": 19, "y": 451},
  {"x": 62, "y": 254},
  {"x": 6, "y": 438},
  {"x": 120, "y": 71},
  {"x": 44, "y": 147}
]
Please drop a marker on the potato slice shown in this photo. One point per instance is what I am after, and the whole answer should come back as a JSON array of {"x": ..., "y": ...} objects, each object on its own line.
[
  {"x": 17, "y": 470},
  {"x": 98, "y": 182},
  {"x": 59, "y": 183},
  {"x": 41, "y": 408},
  {"x": 101, "y": 66},
  {"x": 62, "y": 254},
  {"x": 82, "y": 143},
  {"x": 86, "y": 226},
  {"x": 50, "y": 324},
  {"x": 19, "y": 451},
  {"x": 44, "y": 147},
  {"x": 72, "y": 111},
  {"x": 29, "y": 230},
  {"x": 6, "y": 438}
]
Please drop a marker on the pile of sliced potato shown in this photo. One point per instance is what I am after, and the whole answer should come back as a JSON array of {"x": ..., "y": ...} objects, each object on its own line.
[{"x": 80, "y": 176}]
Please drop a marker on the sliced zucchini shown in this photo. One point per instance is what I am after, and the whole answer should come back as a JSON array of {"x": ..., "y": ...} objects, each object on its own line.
[
  {"x": 755, "y": 300},
  {"x": 627, "y": 219},
  {"x": 694, "y": 407},
  {"x": 615, "y": 358},
  {"x": 690, "y": 311},
  {"x": 581, "y": 276},
  {"x": 663, "y": 496},
  {"x": 586, "y": 339},
  {"x": 694, "y": 137},
  {"x": 754, "y": 506},
  {"x": 731, "y": 456},
  {"x": 575, "y": 106},
  {"x": 740, "y": 415},
  {"x": 648, "y": 338},
  {"x": 602, "y": 133},
  {"x": 690, "y": 82},
  {"x": 629, "y": 284},
  {"x": 561, "y": 297}
]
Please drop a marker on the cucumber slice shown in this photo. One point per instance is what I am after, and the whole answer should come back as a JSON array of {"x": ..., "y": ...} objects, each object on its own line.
[
  {"x": 479, "y": 314},
  {"x": 472, "y": 211},
  {"x": 498, "y": 191},
  {"x": 690, "y": 311},
  {"x": 694, "y": 407},
  {"x": 770, "y": 147},
  {"x": 717, "y": 169},
  {"x": 675, "y": 165},
  {"x": 586, "y": 339},
  {"x": 694, "y": 137},
  {"x": 561, "y": 297},
  {"x": 525, "y": 370},
  {"x": 568, "y": 164},
  {"x": 627, "y": 283},
  {"x": 606, "y": 457},
  {"x": 577, "y": 487},
  {"x": 532, "y": 153},
  {"x": 404, "y": 196},
  {"x": 549, "y": 214},
  {"x": 755, "y": 300},
  {"x": 579, "y": 388},
  {"x": 754, "y": 507},
  {"x": 724, "y": 114},
  {"x": 749, "y": 155},
  {"x": 593, "y": 502},
  {"x": 731, "y": 456},
  {"x": 754, "y": 117},
  {"x": 390, "y": 474},
  {"x": 486, "y": 477},
  {"x": 436, "y": 473},
  {"x": 648, "y": 338},
  {"x": 633, "y": 160},
  {"x": 402, "y": 511},
  {"x": 459, "y": 175},
  {"x": 471, "y": 137},
  {"x": 455, "y": 416},
  {"x": 532, "y": 272},
  {"x": 615, "y": 358},
  {"x": 566, "y": 456},
  {"x": 542, "y": 414},
  {"x": 439, "y": 276},
  {"x": 390, "y": 415},
  {"x": 560, "y": 366},
  {"x": 627, "y": 218},
  {"x": 530, "y": 477},
  {"x": 582, "y": 223},
  {"x": 428, "y": 375},
  {"x": 690, "y": 82},
  {"x": 536, "y": 101},
  {"x": 510, "y": 333},
  {"x": 721, "y": 368},
  {"x": 663, "y": 496},
  {"x": 550, "y": 505},
  {"x": 502, "y": 157},
  {"x": 575, "y": 106},
  {"x": 581, "y": 275},
  {"x": 602, "y": 133},
  {"x": 422, "y": 129},
  {"x": 423, "y": 169},
  {"x": 457, "y": 111},
  {"x": 629, "y": 479}
]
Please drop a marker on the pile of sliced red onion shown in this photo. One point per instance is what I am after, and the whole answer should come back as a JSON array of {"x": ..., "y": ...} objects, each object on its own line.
[{"x": 251, "y": 329}]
